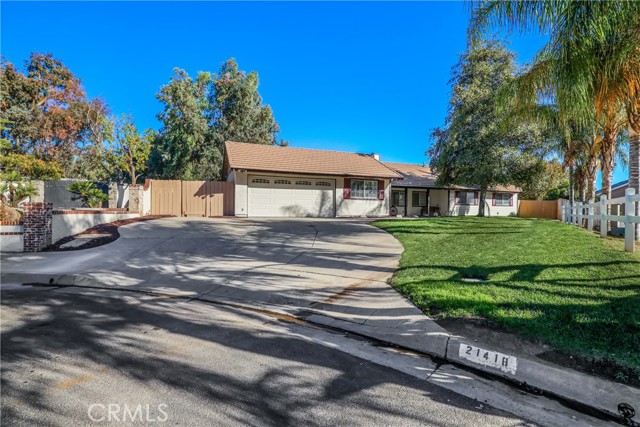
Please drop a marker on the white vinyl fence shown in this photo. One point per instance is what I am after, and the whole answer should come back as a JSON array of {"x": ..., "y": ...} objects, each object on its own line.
[{"x": 595, "y": 214}]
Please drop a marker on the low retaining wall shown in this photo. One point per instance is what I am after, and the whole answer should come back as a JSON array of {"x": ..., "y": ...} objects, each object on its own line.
[
  {"x": 11, "y": 236},
  {"x": 69, "y": 222}
]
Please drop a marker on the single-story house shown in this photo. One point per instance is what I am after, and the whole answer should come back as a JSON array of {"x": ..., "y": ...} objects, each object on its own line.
[
  {"x": 275, "y": 181},
  {"x": 285, "y": 181},
  {"x": 617, "y": 190},
  {"x": 418, "y": 194}
]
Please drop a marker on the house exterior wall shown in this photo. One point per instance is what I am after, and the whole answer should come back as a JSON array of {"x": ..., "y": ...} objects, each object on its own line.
[
  {"x": 439, "y": 198},
  {"x": 505, "y": 210},
  {"x": 490, "y": 210},
  {"x": 344, "y": 207},
  {"x": 358, "y": 207},
  {"x": 413, "y": 210},
  {"x": 241, "y": 199}
]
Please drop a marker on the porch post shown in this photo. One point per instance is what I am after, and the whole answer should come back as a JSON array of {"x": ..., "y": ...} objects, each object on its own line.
[{"x": 406, "y": 202}]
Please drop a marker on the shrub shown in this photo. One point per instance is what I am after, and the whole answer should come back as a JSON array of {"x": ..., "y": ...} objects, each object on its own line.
[
  {"x": 14, "y": 190},
  {"x": 27, "y": 165},
  {"x": 91, "y": 195}
]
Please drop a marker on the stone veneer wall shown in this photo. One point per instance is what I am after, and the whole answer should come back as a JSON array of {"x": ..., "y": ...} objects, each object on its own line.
[{"x": 37, "y": 225}]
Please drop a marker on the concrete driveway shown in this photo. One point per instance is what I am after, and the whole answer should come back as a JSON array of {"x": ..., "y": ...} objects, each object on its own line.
[{"x": 278, "y": 262}]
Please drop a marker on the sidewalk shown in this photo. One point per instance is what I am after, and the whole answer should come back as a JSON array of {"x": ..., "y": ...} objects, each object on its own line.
[{"x": 379, "y": 312}]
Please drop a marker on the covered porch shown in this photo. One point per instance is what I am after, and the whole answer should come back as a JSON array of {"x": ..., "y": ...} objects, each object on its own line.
[{"x": 416, "y": 201}]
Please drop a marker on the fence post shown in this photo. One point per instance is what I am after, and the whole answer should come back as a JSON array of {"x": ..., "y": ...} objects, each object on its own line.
[
  {"x": 603, "y": 213},
  {"x": 590, "y": 213},
  {"x": 629, "y": 227},
  {"x": 580, "y": 214}
]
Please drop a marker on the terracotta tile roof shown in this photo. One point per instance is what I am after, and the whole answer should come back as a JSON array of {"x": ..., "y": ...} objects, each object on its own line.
[
  {"x": 272, "y": 158},
  {"x": 421, "y": 177}
]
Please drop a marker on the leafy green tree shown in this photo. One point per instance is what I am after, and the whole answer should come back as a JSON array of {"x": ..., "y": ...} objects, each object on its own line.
[
  {"x": 5, "y": 144},
  {"x": 89, "y": 163},
  {"x": 553, "y": 176},
  {"x": 184, "y": 147},
  {"x": 238, "y": 112},
  {"x": 44, "y": 107},
  {"x": 591, "y": 62},
  {"x": 200, "y": 115},
  {"x": 475, "y": 147},
  {"x": 130, "y": 150}
]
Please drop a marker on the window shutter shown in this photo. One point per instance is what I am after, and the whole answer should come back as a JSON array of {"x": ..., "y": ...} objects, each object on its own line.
[
  {"x": 381, "y": 189},
  {"x": 494, "y": 202},
  {"x": 346, "y": 191},
  {"x": 457, "y": 197},
  {"x": 476, "y": 199},
  {"x": 510, "y": 199}
]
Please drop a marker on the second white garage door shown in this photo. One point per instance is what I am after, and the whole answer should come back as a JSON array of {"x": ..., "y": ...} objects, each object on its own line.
[{"x": 287, "y": 196}]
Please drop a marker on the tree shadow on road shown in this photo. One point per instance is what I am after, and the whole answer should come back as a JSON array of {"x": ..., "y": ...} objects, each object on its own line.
[{"x": 125, "y": 337}]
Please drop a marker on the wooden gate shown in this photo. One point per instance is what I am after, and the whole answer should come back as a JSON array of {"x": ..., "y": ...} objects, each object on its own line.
[
  {"x": 166, "y": 197},
  {"x": 192, "y": 198},
  {"x": 539, "y": 209}
]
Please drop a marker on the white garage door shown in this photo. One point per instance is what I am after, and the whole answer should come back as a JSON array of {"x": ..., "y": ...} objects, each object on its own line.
[{"x": 291, "y": 196}]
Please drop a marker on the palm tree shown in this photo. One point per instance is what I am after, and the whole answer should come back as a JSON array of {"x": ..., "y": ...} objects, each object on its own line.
[
  {"x": 592, "y": 60},
  {"x": 14, "y": 191}
]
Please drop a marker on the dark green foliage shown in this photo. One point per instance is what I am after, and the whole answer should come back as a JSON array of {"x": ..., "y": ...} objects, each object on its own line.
[
  {"x": 184, "y": 146},
  {"x": 200, "y": 115},
  {"x": 238, "y": 113},
  {"x": 477, "y": 146},
  {"x": 551, "y": 184},
  {"x": 91, "y": 195}
]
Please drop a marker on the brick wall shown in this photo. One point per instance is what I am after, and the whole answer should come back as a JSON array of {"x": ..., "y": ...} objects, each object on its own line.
[{"x": 37, "y": 223}]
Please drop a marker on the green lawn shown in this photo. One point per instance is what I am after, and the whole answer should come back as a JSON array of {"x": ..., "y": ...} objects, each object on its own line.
[{"x": 544, "y": 280}]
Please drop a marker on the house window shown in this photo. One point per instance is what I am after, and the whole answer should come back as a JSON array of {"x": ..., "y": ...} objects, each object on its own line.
[
  {"x": 260, "y": 181},
  {"x": 502, "y": 199},
  {"x": 323, "y": 184},
  {"x": 282, "y": 181},
  {"x": 303, "y": 182},
  {"x": 398, "y": 198},
  {"x": 362, "y": 189},
  {"x": 466, "y": 198},
  {"x": 419, "y": 199}
]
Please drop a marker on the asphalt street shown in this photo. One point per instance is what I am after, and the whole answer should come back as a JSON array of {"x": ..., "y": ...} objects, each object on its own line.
[{"x": 68, "y": 355}]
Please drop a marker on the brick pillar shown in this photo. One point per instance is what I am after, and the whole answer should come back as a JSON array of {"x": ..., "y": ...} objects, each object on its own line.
[
  {"x": 37, "y": 222},
  {"x": 136, "y": 199}
]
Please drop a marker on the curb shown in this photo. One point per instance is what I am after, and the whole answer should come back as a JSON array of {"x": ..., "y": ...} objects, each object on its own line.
[
  {"x": 433, "y": 344},
  {"x": 569, "y": 385}
]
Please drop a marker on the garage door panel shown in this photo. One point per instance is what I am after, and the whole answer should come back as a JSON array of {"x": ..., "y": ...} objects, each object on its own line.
[{"x": 291, "y": 197}]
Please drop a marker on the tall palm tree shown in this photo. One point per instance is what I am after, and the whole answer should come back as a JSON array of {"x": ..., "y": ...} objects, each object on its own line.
[{"x": 594, "y": 47}]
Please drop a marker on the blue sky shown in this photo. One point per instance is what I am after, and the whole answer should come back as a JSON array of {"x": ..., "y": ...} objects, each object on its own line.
[{"x": 365, "y": 77}]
